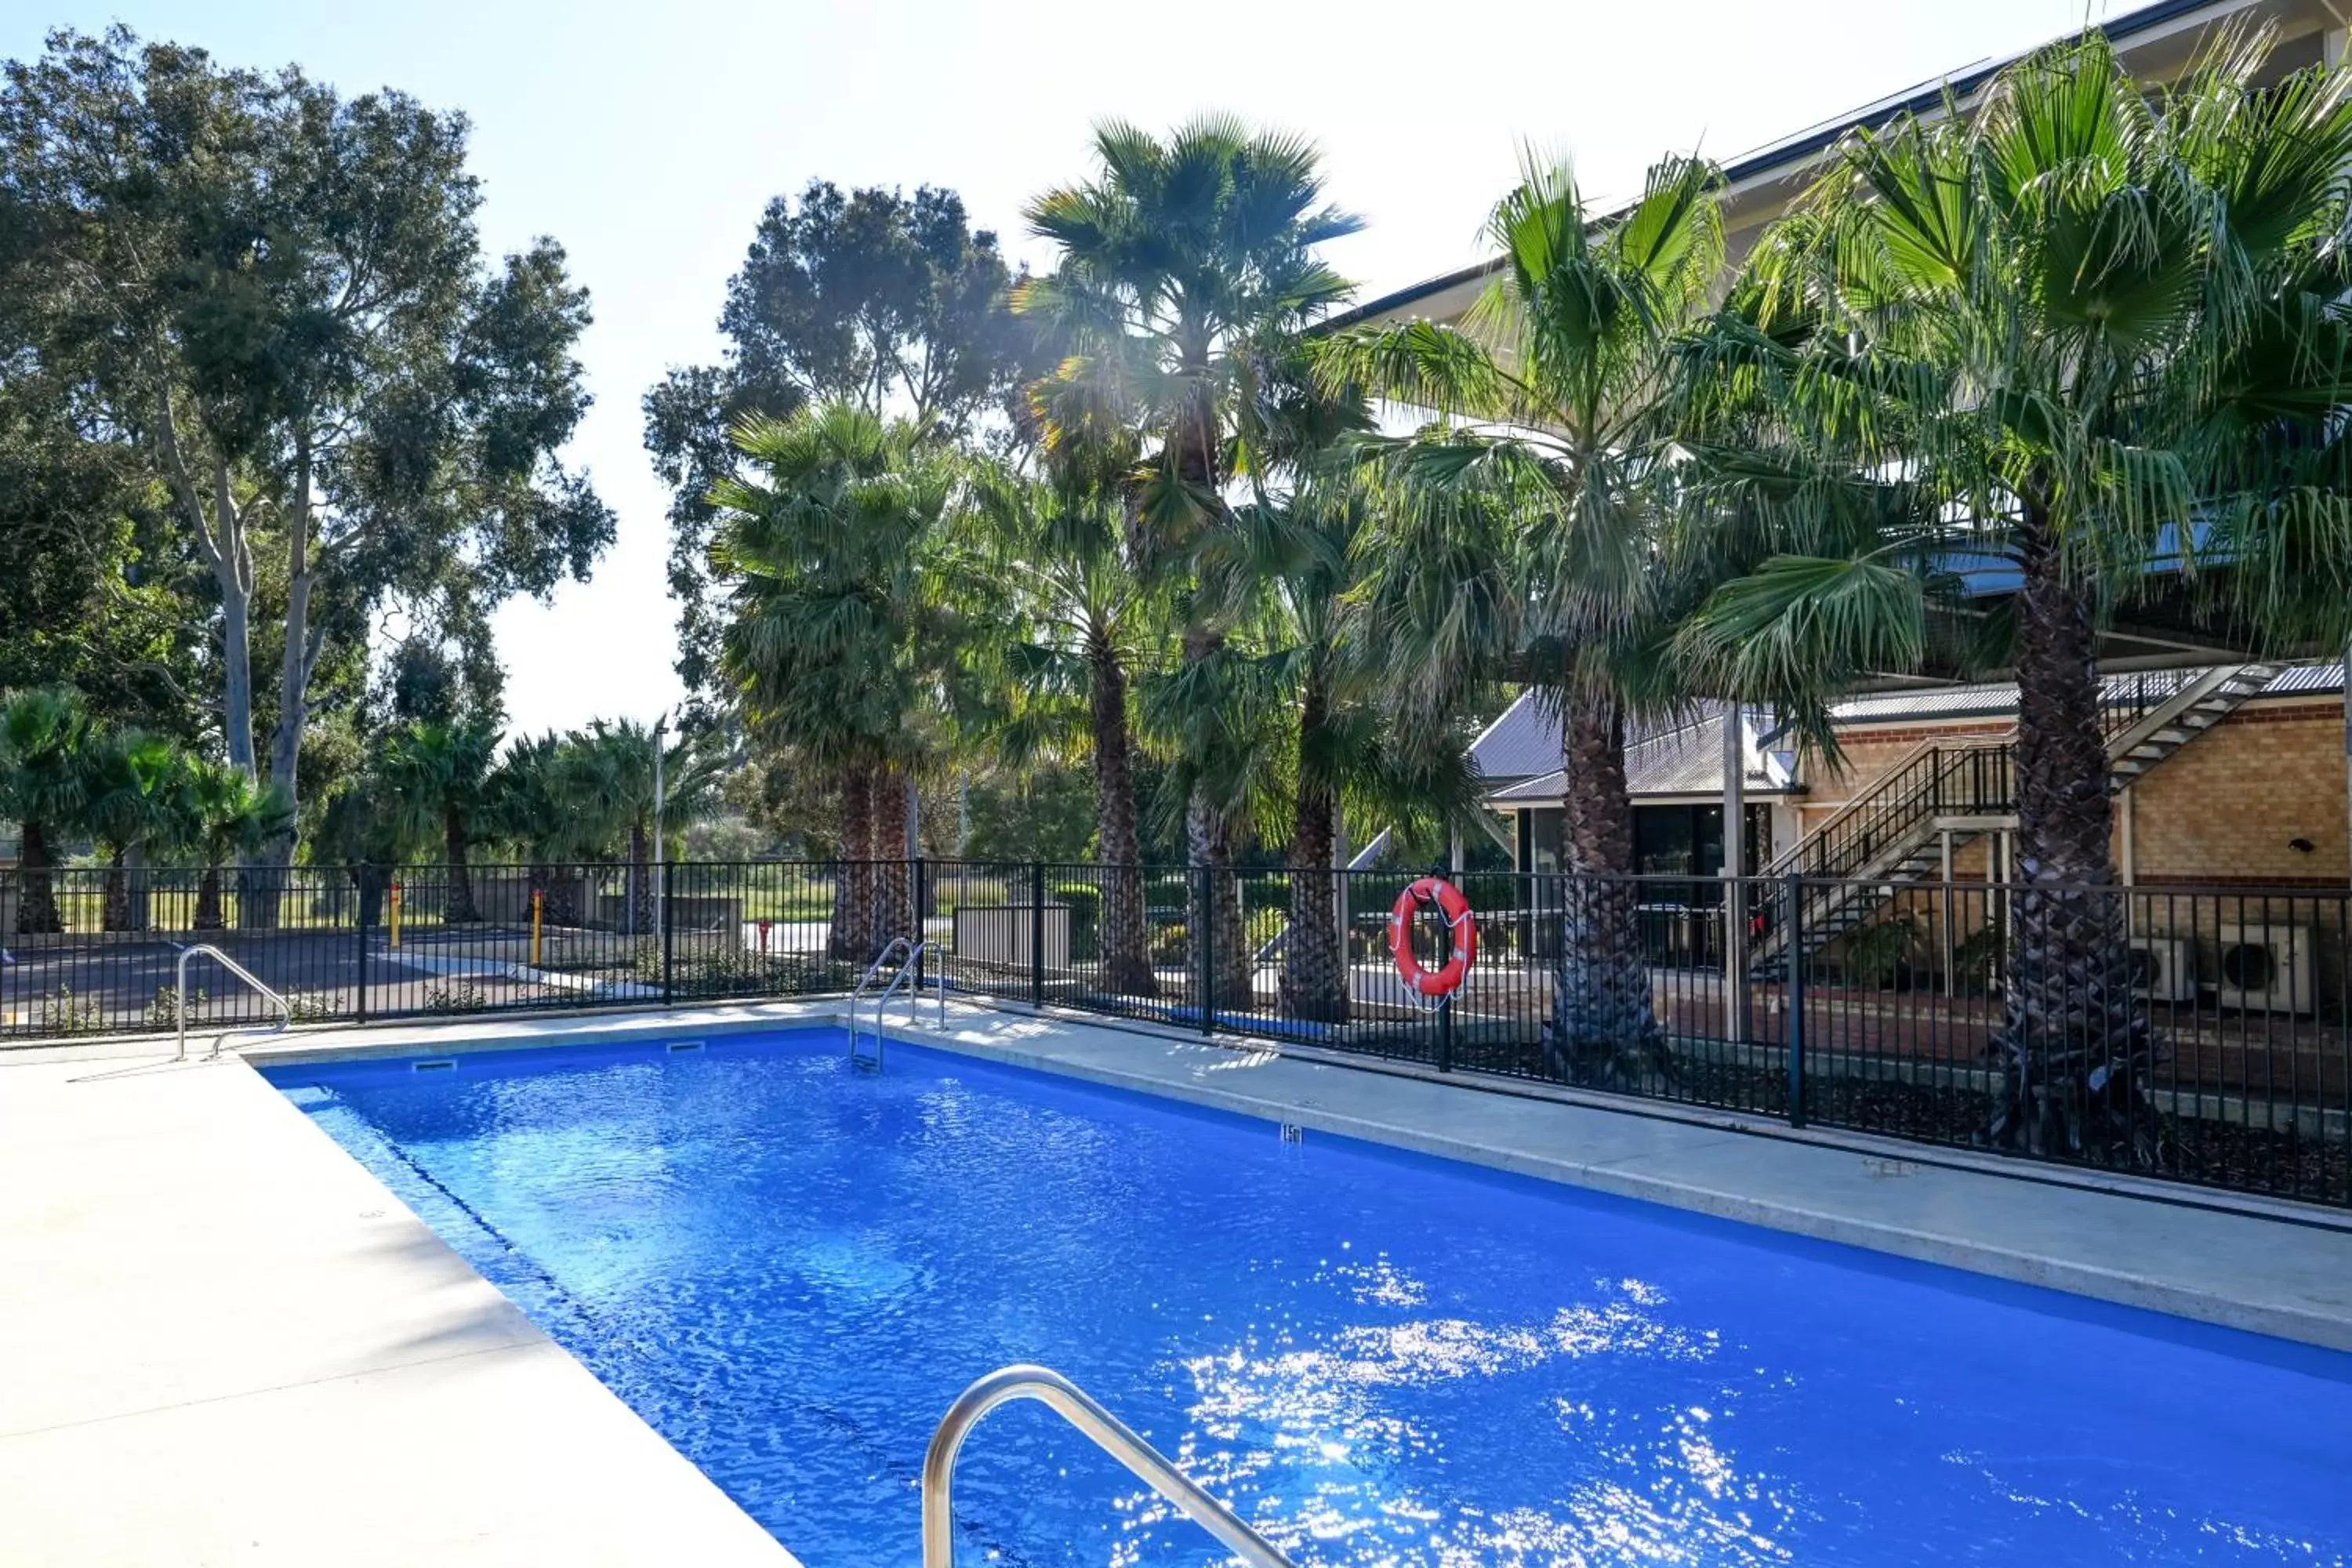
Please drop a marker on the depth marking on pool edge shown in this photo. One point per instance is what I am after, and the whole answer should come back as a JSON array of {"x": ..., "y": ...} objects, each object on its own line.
[{"x": 1293, "y": 1133}]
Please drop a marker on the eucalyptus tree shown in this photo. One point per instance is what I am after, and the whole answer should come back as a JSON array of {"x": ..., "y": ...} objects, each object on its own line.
[
  {"x": 1186, "y": 270},
  {"x": 437, "y": 780},
  {"x": 277, "y": 299},
  {"x": 889, "y": 302},
  {"x": 839, "y": 628},
  {"x": 1087, "y": 625},
  {"x": 2089, "y": 341},
  {"x": 1526, "y": 535}
]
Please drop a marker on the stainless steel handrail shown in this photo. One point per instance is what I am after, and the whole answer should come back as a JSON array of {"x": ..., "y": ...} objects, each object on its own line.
[
  {"x": 180, "y": 994},
  {"x": 872, "y": 969},
  {"x": 1106, "y": 1431}
]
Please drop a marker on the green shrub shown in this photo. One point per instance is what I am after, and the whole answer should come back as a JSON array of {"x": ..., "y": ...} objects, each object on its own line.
[
  {"x": 1169, "y": 944},
  {"x": 465, "y": 996},
  {"x": 64, "y": 1013}
]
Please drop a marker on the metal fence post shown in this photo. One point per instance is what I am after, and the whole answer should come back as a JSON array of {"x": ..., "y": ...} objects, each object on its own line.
[
  {"x": 1036, "y": 933},
  {"x": 360, "y": 924},
  {"x": 1796, "y": 1051},
  {"x": 668, "y": 920},
  {"x": 1208, "y": 908},
  {"x": 917, "y": 891}
]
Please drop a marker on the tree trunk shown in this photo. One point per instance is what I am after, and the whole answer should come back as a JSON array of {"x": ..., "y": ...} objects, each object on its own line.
[
  {"x": 37, "y": 902},
  {"x": 208, "y": 898},
  {"x": 1604, "y": 1025},
  {"x": 236, "y": 668},
  {"x": 459, "y": 909},
  {"x": 645, "y": 898},
  {"x": 891, "y": 884},
  {"x": 853, "y": 882},
  {"x": 139, "y": 890},
  {"x": 1313, "y": 966},
  {"x": 1213, "y": 902},
  {"x": 116, "y": 910},
  {"x": 1214, "y": 906},
  {"x": 1124, "y": 932},
  {"x": 2075, "y": 1045}
]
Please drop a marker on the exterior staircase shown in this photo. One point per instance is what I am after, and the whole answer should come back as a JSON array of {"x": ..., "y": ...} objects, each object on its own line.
[{"x": 1894, "y": 833}]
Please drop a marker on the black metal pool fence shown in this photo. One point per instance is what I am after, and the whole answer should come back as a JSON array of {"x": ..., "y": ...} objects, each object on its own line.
[{"x": 2212, "y": 1048}]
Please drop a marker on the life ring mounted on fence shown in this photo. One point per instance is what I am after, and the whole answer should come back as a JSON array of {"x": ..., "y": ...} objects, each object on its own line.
[{"x": 1461, "y": 930}]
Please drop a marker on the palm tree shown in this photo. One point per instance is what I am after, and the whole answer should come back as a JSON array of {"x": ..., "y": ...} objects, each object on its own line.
[
  {"x": 2085, "y": 335},
  {"x": 838, "y": 641},
  {"x": 1349, "y": 747},
  {"x": 43, "y": 734},
  {"x": 1188, "y": 267},
  {"x": 1526, "y": 540},
  {"x": 437, "y": 779},
  {"x": 131, "y": 787},
  {"x": 611, "y": 783},
  {"x": 543, "y": 795},
  {"x": 228, "y": 815},
  {"x": 1089, "y": 624}
]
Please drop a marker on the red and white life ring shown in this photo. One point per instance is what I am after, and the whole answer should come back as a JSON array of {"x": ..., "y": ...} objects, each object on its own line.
[{"x": 1464, "y": 930}]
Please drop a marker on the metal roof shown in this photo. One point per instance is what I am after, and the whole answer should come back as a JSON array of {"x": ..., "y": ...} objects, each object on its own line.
[
  {"x": 1687, "y": 761},
  {"x": 1520, "y": 752}
]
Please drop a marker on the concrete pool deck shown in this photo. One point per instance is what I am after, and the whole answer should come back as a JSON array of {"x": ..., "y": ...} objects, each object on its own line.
[{"x": 225, "y": 1343}]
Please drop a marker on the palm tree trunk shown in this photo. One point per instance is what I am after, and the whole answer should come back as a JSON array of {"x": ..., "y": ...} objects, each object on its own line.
[
  {"x": 643, "y": 897},
  {"x": 1126, "y": 955},
  {"x": 1604, "y": 1025},
  {"x": 37, "y": 904},
  {"x": 1314, "y": 968},
  {"x": 853, "y": 890},
  {"x": 1214, "y": 906},
  {"x": 2074, "y": 1044},
  {"x": 208, "y": 897},
  {"x": 891, "y": 884},
  {"x": 459, "y": 909},
  {"x": 116, "y": 915},
  {"x": 139, "y": 890}
]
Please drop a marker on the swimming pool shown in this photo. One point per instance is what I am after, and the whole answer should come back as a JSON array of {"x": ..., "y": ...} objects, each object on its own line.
[{"x": 790, "y": 1269}]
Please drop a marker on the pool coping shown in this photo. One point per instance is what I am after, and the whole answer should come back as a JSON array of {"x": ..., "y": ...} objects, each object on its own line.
[
  {"x": 287, "y": 1352},
  {"x": 250, "y": 1352},
  {"x": 2239, "y": 1264}
]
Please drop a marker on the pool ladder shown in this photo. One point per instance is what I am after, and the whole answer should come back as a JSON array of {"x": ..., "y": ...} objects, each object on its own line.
[
  {"x": 1098, "y": 1425},
  {"x": 185, "y": 1006},
  {"x": 899, "y": 966}
]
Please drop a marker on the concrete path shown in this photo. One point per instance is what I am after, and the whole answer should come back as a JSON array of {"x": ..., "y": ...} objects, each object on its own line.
[{"x": 223, "y": 1343}]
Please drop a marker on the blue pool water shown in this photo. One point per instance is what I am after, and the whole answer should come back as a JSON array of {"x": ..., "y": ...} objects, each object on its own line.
[{"x": 790, "y": 1269}]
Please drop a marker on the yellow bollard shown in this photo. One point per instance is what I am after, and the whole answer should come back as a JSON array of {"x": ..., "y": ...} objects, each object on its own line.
[
  {"x": 536, "y": 897},
  {"x": 396, "y": 914}
]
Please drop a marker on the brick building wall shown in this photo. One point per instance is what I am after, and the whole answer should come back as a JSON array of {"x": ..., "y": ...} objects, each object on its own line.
[{"x": 2228, "y": 807}]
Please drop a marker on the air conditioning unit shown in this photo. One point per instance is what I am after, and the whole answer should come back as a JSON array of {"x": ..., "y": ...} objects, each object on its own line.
[
  {"x": 2164, "y": 968},
  {"x": 2266, "y": 968}
]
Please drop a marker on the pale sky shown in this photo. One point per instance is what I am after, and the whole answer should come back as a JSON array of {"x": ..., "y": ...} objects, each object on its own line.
[{"x": 646, "y": 138}]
